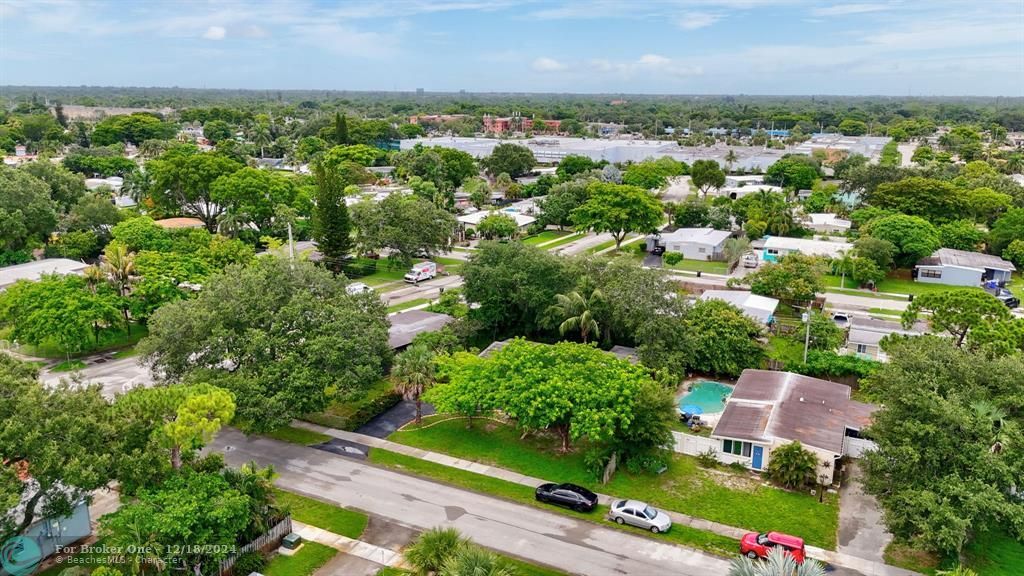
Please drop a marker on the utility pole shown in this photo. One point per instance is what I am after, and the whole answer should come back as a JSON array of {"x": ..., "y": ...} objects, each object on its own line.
[
  {"x": 291, "y": 244},
  {"x": 807, "y": 335}
]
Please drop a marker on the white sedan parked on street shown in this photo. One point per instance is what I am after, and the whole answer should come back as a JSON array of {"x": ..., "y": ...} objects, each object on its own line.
[{"x": 637, "y": 513}]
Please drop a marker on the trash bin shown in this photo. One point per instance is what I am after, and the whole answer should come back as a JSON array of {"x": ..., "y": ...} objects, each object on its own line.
[{"x": 291, "y": 541}]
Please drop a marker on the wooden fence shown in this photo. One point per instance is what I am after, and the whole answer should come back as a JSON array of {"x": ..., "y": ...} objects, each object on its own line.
[{"x": 270, "y": 539}]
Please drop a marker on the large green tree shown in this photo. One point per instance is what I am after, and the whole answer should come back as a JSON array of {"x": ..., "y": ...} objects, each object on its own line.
[
  {"x": 949, "y": 458},
  {"x": 27, "y": 214},
  {"x": 934, "y": 200},
  {"x": 282, "y": 335},
  {"x": 66, "y": 187},
  {"x": 182, "y": 182},
  {"x": 1007, "y": 228},
  {"x": 795, "y": 278},
  {"x": 511, "y": 159},
  {"x": 957, "y": 311},
  {"x": 513, "y": 284},
  {"x": 793, "y": 171},
  {"x": 252, "y": 194},
  {"x": 406, "y": 225},
  {"x": 913, "y": 237},
  {"x": 705, "y": 175},
  {"x": 332, "y": 228},
  {"x": 60, "y": 435},
  {"x": 59, "y": 310},
  {"x": 618, "y": 209}
]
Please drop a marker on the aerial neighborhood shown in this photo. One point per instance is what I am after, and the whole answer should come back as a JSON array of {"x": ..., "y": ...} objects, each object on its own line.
[{"x": 325, "y": 332}]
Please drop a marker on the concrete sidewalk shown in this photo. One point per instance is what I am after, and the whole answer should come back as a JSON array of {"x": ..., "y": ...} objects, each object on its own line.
[
  {"x": 356, "y": 548},
  {"x": 865, "y": 566}
]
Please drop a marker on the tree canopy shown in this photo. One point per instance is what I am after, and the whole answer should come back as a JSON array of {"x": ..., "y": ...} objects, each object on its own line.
[
  {"x": 511, "y": 159},
  {"x": 618, "y": 209}
]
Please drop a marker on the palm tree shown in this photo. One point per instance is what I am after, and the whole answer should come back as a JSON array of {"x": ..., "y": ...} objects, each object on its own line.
[
  {"x": 577, "y": 312},
  {"x": 433, "y": 547},
  {"x": 119, "y": 266},
  {"x": 958, "y": 571},
  {"x": 730, "y": 157},
  {"x": 413, "y": 374},
  {"x": 261, "y": 136},
  {"x": 778, "y": 564},
  {"x": 734, "y": 249},
  {"x": 843, "y": 265},
  {"x": 475, "y": 561}
]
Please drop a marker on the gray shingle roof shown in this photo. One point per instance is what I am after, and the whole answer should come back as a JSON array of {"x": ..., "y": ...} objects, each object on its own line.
[{"x": 950, "y": 257}]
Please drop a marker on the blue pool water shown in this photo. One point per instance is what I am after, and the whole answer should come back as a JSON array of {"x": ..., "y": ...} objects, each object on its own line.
[{"x": 706, "y": 397}]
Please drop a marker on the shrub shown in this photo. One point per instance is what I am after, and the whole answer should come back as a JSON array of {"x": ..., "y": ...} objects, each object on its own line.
[
  {"x": 708, "y": 458},
  {"x": 248, "y": 563},
  {"x": 641, "y": 248},
  {"x": 433, "y": 548},
  {"x": 673, "y": 258},
  {"x": 792, "y": 466}
]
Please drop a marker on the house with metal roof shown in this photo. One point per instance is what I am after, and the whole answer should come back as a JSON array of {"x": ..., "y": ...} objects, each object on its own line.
[
  {"x": 37, "y": 268},
  {"x": 692, "y": 243},
  {"x": 775, "y": 247},
  {"x": 962, "y": 268},
  {"x": 769, "y": 409},
  {"x": 760, "y": 308},
  {"x": 865, "y": 336},
  {"x": 405, "y": 326}
]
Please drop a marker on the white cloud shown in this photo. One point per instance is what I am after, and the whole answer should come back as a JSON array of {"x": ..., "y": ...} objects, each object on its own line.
[
  {"x": 647, "y": 65},
  {"x": 848, "y": 9},
  {"x": 545, "y": 64},
  {"x": 695, "y": 20},
  {"x": 215, "y": 33},
  {"x": 654, "y": 60}
]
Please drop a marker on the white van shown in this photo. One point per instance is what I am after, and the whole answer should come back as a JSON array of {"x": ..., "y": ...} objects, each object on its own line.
[{"x": 421, "y": 271}]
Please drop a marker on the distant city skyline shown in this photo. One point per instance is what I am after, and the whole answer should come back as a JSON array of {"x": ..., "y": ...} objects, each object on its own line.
[{"x": 755, "y": 47}]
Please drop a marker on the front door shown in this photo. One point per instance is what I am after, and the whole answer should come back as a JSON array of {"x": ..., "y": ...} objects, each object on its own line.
[{"x": 758, "y": 457}]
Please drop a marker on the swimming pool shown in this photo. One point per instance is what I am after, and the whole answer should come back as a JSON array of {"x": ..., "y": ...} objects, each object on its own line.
[{"x": 706, "y": 397}]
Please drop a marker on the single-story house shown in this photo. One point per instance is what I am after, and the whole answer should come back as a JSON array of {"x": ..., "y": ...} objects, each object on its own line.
[
  {"x": 45, "y": 535},
  {"x": 621, "y": 352},
  {"x": 472, "y": 220},
  {"x": 962, "y": 268},
  {"x": 775, "y": 247},
  {"x": 407, "y": 325},
  {"x": 737, "y": 192},
  {"x": 36, "y": 269},
  {"x": 865, "y": 334},
  {"x": 741, "y": 180},
  {"x": 175, "y": 223},
  {"x": 769, "y": 409},
  {"x": 825, "y": 223},
  {"x": 692, "y": 243},
  {"x": 760, "y": 308}
]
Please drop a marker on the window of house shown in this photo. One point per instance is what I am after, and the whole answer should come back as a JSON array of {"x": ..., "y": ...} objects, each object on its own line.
[
  {"x": 862, "y": 348},
  {"x": 701, "y": 250},
  {"x": 736, "y": 447},
  {"x": 926, "y": 273}
]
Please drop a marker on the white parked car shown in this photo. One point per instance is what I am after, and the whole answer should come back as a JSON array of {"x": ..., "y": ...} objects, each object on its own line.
[
  {"x": 421, "y": 271},
  {"x": 750, "y": 260},
  {"x": 639, "y": 514},
  {"x": 357, "y": 288}
]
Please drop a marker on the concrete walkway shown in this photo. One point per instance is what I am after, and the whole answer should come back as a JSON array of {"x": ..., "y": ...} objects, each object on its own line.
[
  {"x": 865, "y": 566},
  {"x": 862, "y": 532},
  {"x": 356, "y": 548}
]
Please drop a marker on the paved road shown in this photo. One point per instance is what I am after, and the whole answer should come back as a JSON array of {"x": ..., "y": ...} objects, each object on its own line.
[
  {"x": 559, "y": 541},
  {"x": 906, "y": 149},
  {"x": 852, "y": 302},
  {"x": 115, "y": 376},
  {"x": 429, "y": 289}
]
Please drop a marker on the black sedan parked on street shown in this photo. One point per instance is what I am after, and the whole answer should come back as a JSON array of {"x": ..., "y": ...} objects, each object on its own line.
[{"x": 569, "y": 495}]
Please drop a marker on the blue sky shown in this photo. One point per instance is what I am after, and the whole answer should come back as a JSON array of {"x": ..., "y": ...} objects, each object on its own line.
[{"x": 917, "y": 47}]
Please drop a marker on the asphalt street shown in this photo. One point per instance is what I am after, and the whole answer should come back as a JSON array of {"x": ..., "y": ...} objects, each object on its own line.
[{"x": 559, "y": 541}]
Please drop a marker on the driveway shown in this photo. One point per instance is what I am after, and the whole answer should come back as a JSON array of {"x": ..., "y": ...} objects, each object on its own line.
[
  {"x": 556, "y": 540},
  {"x": 115, "y": 376},
  {"x": 861, "y": 530},
  {"x": 382, "y": 425}
]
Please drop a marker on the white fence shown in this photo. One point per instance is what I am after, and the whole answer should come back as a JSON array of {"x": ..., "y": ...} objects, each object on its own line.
[
  {"x": 269, "y": 539},
  {"x": 856, "y": 447},
  {"x": 695, "y": 445}
]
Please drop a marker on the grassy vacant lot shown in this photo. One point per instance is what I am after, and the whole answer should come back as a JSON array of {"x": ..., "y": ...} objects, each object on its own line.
[
  {"x": 306, "y": 561},
  {"x": 707, "y": 266},
  {"x": 736, "y": 499},
  {"x": 297, "y": 436},
  {"x": 109, "y": 340},
  {"x": 68, "y": 366},
  {"x": 545, "y": 236},
  {"x": 340, "y": 413},
  {"x": 322, "y": 515},
  {"x": 684, "y": 535}
]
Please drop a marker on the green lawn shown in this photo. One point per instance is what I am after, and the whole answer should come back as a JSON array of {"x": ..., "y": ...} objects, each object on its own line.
[
  {"x": 563, "y": 240},
  {"x": 785, "y": 350},
  {"x": 452, "y": 266},
  {"x": 306, "y": 561},
  {"x": 679, "y": 534},
  {"x": 322, "y": 515},
  {"x": 729, "y": 498},
  {"x": 297, "y": 436},
  {"x": 545, "y": 236},
  {"x": 126, "y": 353},
  {"x": 890, "y": 284},
  {"x": 387, "y": 271},
  {"x": 348, "y": 412},
  {"x": 112, "y": 339},
  {"x": 409, "y": 304},
  {"x": 602, "y": 246},
  {"x": 995, "y": 554},
  {"x": 68, "y": 366},
  {"x": 707, "y": 266}
]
